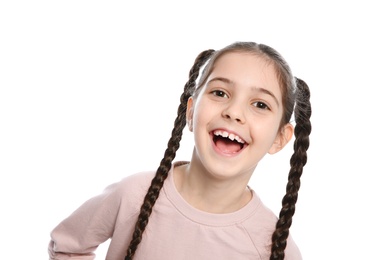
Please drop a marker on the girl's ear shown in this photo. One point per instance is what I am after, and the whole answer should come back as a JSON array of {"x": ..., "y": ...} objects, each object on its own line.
[
  {"x": 282, "y": 138},
  {"x": 190, "y": 113}
]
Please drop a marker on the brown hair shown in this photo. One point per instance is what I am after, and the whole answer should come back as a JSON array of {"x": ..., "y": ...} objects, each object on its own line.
[{"x": 295, "y": 100}]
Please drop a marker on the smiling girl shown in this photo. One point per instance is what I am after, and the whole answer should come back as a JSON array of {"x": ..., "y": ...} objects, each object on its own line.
[{"x": 239, "y": 111}]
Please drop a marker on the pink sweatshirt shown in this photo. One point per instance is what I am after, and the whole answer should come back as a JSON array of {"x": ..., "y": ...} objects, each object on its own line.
[{"x": 176, "y": 230}]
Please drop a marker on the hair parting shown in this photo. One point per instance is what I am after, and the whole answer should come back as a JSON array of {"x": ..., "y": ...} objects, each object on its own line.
[
  {"x": 170, "y": 153},
  {"x": 298, "y": 160}
]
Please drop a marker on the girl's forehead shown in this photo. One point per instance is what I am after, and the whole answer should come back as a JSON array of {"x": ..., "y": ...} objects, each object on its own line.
[
  {"x": 237, "y": 61},
  {"x": 243, "y": 67}
]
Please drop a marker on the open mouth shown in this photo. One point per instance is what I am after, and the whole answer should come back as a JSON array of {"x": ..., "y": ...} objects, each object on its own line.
[{"x": 228, "y": 142}]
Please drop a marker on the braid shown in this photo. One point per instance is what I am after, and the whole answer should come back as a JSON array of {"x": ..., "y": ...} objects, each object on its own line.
[
  {"x": 298, "y": 160},
  {"x": 169, "y": 155}
]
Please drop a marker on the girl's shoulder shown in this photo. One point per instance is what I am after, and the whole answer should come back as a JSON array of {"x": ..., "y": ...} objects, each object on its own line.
[
  {"x": 261, "y": 227},
  {"x": 137, "y": 183},
  {"x": 140, "y": 178}
]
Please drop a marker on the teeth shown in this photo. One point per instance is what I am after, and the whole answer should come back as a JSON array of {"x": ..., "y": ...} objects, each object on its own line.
[{"x": 231, "y": 136}]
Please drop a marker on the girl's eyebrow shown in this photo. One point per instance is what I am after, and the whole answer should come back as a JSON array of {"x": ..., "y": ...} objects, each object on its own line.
[
  {"x": 225, "y": 80},
  {"x": 258, "y": 89},
  {"x": 267, "y": 92}
]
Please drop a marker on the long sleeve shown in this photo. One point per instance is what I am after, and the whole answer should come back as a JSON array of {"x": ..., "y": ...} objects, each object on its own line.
[{"x": 78, "y": 236}]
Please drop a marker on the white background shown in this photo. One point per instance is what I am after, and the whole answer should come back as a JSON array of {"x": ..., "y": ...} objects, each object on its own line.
[{"x": 89, "y": 91}]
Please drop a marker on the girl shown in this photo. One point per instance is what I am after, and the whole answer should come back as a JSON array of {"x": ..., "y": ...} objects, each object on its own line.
[{"x": 239, "y": 111}]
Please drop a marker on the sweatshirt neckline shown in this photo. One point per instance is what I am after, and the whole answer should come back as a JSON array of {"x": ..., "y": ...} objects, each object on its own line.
[{"x": 202, "y": 217}]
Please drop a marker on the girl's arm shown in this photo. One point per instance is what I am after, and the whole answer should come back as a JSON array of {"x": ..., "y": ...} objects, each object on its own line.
[{"x": 78, "y": 236}]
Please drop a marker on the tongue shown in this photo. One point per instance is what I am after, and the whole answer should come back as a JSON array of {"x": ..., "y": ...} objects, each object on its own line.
[{"x": 227, "y": 146}]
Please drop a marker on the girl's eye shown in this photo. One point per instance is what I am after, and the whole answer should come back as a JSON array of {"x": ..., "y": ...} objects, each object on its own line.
[
  {"x": 261, "y": 105},
  {"x": 219, "y": 93}
]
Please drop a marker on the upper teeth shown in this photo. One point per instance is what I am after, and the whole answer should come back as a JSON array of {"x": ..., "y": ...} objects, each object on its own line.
[{"x": 229, "y": 135}]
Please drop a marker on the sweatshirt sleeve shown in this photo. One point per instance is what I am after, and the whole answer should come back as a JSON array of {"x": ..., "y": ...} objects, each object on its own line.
[{"x": 78, "y": 236}]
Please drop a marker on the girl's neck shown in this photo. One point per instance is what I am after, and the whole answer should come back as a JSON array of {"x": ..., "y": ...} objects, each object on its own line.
[{"x": 210, "y": 195}]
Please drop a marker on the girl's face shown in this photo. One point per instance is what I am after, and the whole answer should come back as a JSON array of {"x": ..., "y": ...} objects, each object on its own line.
[{"x": 236, "y": 116}]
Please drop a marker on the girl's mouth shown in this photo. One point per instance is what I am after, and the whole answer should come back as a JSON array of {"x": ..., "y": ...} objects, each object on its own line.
[{"x": 228, "y": 143}]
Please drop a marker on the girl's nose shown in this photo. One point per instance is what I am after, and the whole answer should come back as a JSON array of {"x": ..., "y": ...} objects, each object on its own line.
[{"x": 235, "y": 112}]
